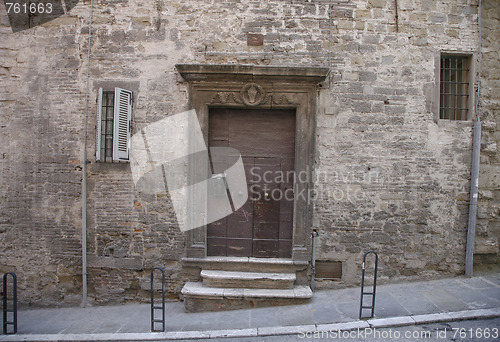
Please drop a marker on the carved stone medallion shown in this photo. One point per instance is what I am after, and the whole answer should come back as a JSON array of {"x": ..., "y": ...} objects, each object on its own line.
[{"x": 252, "y": 94}]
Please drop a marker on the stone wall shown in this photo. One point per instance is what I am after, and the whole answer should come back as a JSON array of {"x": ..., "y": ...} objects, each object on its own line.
[
  {"x": 487, "y": 252},
  {"x": 390, "y": 177},
  {"x": 395, "y": 178}
]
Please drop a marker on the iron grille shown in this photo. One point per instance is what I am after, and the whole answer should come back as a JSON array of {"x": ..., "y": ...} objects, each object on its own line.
[
  {"x": 108, "y": 104},
  {"x": 454, "y": 88}
]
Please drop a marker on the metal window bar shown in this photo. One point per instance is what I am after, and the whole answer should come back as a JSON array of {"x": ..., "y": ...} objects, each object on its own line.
[
  {"x": 454, "y": 88},
  {"x": 108, "y": 106},
  {"x": 371, "y": 307},
  {"x": 154, "y": 306},
  {"x": 9, "y": 311}
]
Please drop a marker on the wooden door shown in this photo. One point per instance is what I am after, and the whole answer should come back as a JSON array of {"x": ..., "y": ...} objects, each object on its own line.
[{"x": 263, "y": 226}]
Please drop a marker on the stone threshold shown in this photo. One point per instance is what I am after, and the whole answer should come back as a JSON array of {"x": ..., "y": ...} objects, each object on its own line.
[
  {"x": 247, "y": 276},
  {"x": 249, "y": 260}
]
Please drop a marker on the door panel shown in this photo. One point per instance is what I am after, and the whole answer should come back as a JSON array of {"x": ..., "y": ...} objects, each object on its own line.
[
  {"x": 239, "y": 247},
  {"x": 239, "y": 224},
  {"x": 216, "y": 245},
  {"x": 285, "y": 248},
  {"x": 263, "y": 226},
  {"x": 266, "y": 230},
  {"x": 266, "y": 249}
]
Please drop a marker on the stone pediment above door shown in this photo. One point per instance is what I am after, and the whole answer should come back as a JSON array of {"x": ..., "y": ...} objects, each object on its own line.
[{"x": 250, "y": 85}]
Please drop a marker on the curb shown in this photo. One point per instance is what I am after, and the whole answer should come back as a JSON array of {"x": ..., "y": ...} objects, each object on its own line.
[{"x": 266, "y": 331}]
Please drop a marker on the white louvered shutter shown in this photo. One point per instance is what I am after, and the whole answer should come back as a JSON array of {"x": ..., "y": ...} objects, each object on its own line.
[
  {"x": 121, "y": 122},
  {"x": 98, "y": 126}
]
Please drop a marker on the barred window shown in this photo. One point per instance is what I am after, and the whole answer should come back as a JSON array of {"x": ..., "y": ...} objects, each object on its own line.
[
  {"x": 454, "y": 87},
  {"x": 114, "y": 112},
  {"x": 108, "y": 112}
]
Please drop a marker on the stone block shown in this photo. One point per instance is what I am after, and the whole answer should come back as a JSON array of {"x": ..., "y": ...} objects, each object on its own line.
[
  {"x": 367, "y": 48},
  {"x": 361, "y": 106},
  {"x": 376, "y": 3},
  {"x": 378, "y": 323},
  {"x": 489, "y": 148},
  {"x": 259, "y": 280},
  {"x": 367, "y": 76},
  {"x": 432, "y": 318},
  {"x": 233, "y": 333},
  {"x": 345, "y": 24},
  {"x": 275, "y": 331},
  {"x": 452, "y": 33},
  {"x": 485, "y": 245},
  {"x": 438, "y": 18},
  {"x": 362, "y": 14}
]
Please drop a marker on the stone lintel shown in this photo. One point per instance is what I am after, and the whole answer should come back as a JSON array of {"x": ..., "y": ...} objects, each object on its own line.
[{"x": 247, "y": 73}]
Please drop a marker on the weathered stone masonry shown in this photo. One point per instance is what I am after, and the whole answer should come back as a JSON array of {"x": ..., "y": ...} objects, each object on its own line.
[
  {"x": 389, "y": 175},
  {"x": 488, "y": 228}
]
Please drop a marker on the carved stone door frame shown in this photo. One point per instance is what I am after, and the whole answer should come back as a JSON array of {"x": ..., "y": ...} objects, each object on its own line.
[{"x": 262, "y": 87}]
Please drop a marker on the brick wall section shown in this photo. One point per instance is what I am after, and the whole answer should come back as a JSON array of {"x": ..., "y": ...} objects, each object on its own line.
[
  {"x": 487, "y": 252},
  {"x": 398, "y": 181},
  {"x": 41, "y": 138}
]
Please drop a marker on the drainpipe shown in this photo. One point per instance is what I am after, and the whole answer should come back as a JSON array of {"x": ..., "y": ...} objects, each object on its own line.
[
  {"x": 313, "y": 261},
  {"x": 476, "y": 152},
  {"x": 396, "y": 14},
  {"x": 471, "y": 229},
  {"x": 85, "y": 161}
]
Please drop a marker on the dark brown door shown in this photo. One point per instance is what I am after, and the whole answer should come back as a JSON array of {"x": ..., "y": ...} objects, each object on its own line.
[{"x": 263, "y": 226}]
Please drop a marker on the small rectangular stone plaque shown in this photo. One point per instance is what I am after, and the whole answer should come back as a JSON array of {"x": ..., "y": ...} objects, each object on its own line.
[{"x": 255, "y": 39}]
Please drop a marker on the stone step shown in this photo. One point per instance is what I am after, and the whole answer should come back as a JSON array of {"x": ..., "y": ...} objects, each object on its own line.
[
  {"x": 199, "y": 297},
  {"x": 251, "y": 280},
  {"x": 246, "y": 264}
]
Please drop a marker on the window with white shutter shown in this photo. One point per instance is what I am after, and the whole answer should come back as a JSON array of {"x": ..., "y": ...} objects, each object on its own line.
[
  {"x": 114, "y": 116},
  {"x": 123, "y": 116}
]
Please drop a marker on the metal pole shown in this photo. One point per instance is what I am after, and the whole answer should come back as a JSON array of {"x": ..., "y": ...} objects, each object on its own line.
[
  {"x": 471, "y": 229},
  {"x": 396, "y": 14},
  {"x": 155, "y": 307},
  {"x": 84, "y": 302},
  {"x": 362, "y": 287},
  {"x": 374, "y": 287},
  {"x": 313, "y": 261},
  {"x": 476, "y": 153},
  {"x": 6, "y": 311},
  {"x": 152, "y": 301}
]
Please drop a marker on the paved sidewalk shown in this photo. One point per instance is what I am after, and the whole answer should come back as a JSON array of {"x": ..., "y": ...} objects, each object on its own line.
[{"x": 396, "y": 305}]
